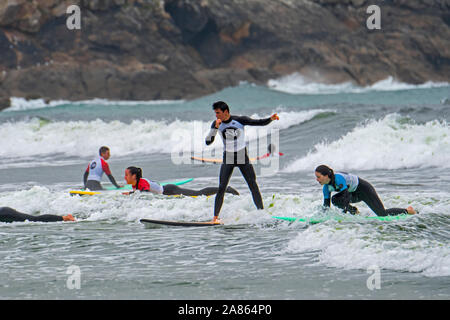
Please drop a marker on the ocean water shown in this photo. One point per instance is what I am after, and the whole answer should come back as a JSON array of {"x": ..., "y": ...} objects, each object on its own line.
[{"x": 395, "y": 135}]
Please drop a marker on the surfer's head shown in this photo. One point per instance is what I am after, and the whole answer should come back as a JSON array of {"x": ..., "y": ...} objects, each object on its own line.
[
  {"x": 104, "y": 152},
  {"x": 222, "y": 110},
  {"x": 133, "y": 175},
  {"x": 324, "y": 174},
  {"x": 221, "y": 105}
]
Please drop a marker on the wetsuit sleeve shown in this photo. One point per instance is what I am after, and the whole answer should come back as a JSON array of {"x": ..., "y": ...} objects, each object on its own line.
[
  {"x": 344, "y": 195},
  {"x": 212, "y": 133},
  {"x": 326, "y": 196},
  {"x": 113, "y": 181},
  {"x": 85, "y": 176},
  {"x": 247, "y": 121},
  {"x": 105, "y": 168},
  {"x": 143, "y": 186},
  {"x": 107, "y": 171}
]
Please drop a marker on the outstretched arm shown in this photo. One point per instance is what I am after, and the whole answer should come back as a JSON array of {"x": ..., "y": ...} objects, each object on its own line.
[
  {"x": 326, "y": 196},
  {"x": 247, "y": 121},
  {"x": 113, "y": 181},
  {"x": 107, "y": 171}
]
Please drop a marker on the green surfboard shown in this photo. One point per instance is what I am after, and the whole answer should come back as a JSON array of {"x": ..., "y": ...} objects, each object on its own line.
[{"x": 341, "y": 218}]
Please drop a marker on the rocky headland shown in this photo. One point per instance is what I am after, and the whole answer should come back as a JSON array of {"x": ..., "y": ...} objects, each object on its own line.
[{"x": 182, "y": 49}]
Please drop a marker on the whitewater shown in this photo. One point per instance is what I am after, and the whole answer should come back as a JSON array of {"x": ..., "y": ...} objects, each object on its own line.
[{"x": 394, "y": 135}]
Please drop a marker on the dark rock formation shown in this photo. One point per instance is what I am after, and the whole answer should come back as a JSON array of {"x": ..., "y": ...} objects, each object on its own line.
[
  {"x": 4, "y": 103},
  {"x": 150, "y": 49}
]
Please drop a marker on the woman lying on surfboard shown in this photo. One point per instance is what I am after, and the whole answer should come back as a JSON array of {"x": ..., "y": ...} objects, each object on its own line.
[
  {"x": 133, "y": 176},
  {"x": 8, "y": 214},
  {"x": 352, "y": 189}
]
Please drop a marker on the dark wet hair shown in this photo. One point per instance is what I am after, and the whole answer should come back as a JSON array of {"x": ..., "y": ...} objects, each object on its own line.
[
  {"x": 220, "y": 105},
  {"x": 102, "y": 150},
  {"x": 136, "y": 171},
  {"x": 325, "y": 171}
]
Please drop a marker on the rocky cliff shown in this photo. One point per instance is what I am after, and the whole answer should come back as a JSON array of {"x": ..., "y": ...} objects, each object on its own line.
[{"x": 173, "y": 49}]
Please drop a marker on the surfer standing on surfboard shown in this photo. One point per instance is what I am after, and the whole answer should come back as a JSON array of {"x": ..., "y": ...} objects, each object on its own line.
[
  {"x": 352, "y": 189},
  {"x": 235, "y": 152},
  {"x": 96, "y": 168}
]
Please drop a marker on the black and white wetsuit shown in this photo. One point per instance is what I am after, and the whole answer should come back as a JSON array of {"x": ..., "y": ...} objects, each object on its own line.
[{"x": 235, "y": 154}]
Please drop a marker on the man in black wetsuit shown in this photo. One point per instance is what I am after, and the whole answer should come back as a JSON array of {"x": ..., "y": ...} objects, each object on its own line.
[
  {"x": 235, "y": 152},
  {"x": 8, "y": 214}
]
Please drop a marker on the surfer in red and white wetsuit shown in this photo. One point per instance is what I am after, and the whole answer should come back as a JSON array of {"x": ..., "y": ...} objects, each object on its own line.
[
  {"x": 133, "y": 176},
  {"x": 96, "y": 168}
]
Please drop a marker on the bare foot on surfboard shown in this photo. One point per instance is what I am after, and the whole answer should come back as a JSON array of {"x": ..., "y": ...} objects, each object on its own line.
[{"x": 216, "y": 220}]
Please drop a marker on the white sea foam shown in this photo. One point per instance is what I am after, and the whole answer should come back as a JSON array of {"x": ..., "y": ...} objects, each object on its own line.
[
  {"x": 115, "y": 206},
  {"x": 360, "y": 246},
  {"x": 298, "y": 84},
  {"x": 35, "y": 137},
  {"x": 20, "y": 104},
  {"x": 349, "y": 245},
  {"x": 389, "y": 143}
]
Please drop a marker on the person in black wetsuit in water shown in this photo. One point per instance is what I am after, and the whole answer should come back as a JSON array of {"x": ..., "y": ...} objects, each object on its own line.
[
  {"x": 8, "y": 214},
  {"x": 235, "y": 152},
  {"x": 352, "y": 189}
]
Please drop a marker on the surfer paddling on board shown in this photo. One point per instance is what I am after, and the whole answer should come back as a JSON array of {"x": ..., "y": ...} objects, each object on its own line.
[
  {"x": 133, "y": 176},
  {"x": 235, "y": 154},
  {"x": 8, "y": 214},
  {"x": 352, "y": 189},
  {"x": 96, "y": 168}
]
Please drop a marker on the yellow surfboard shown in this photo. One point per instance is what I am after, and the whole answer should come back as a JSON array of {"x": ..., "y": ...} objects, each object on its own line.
[{"x": 83, "y": 193}]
